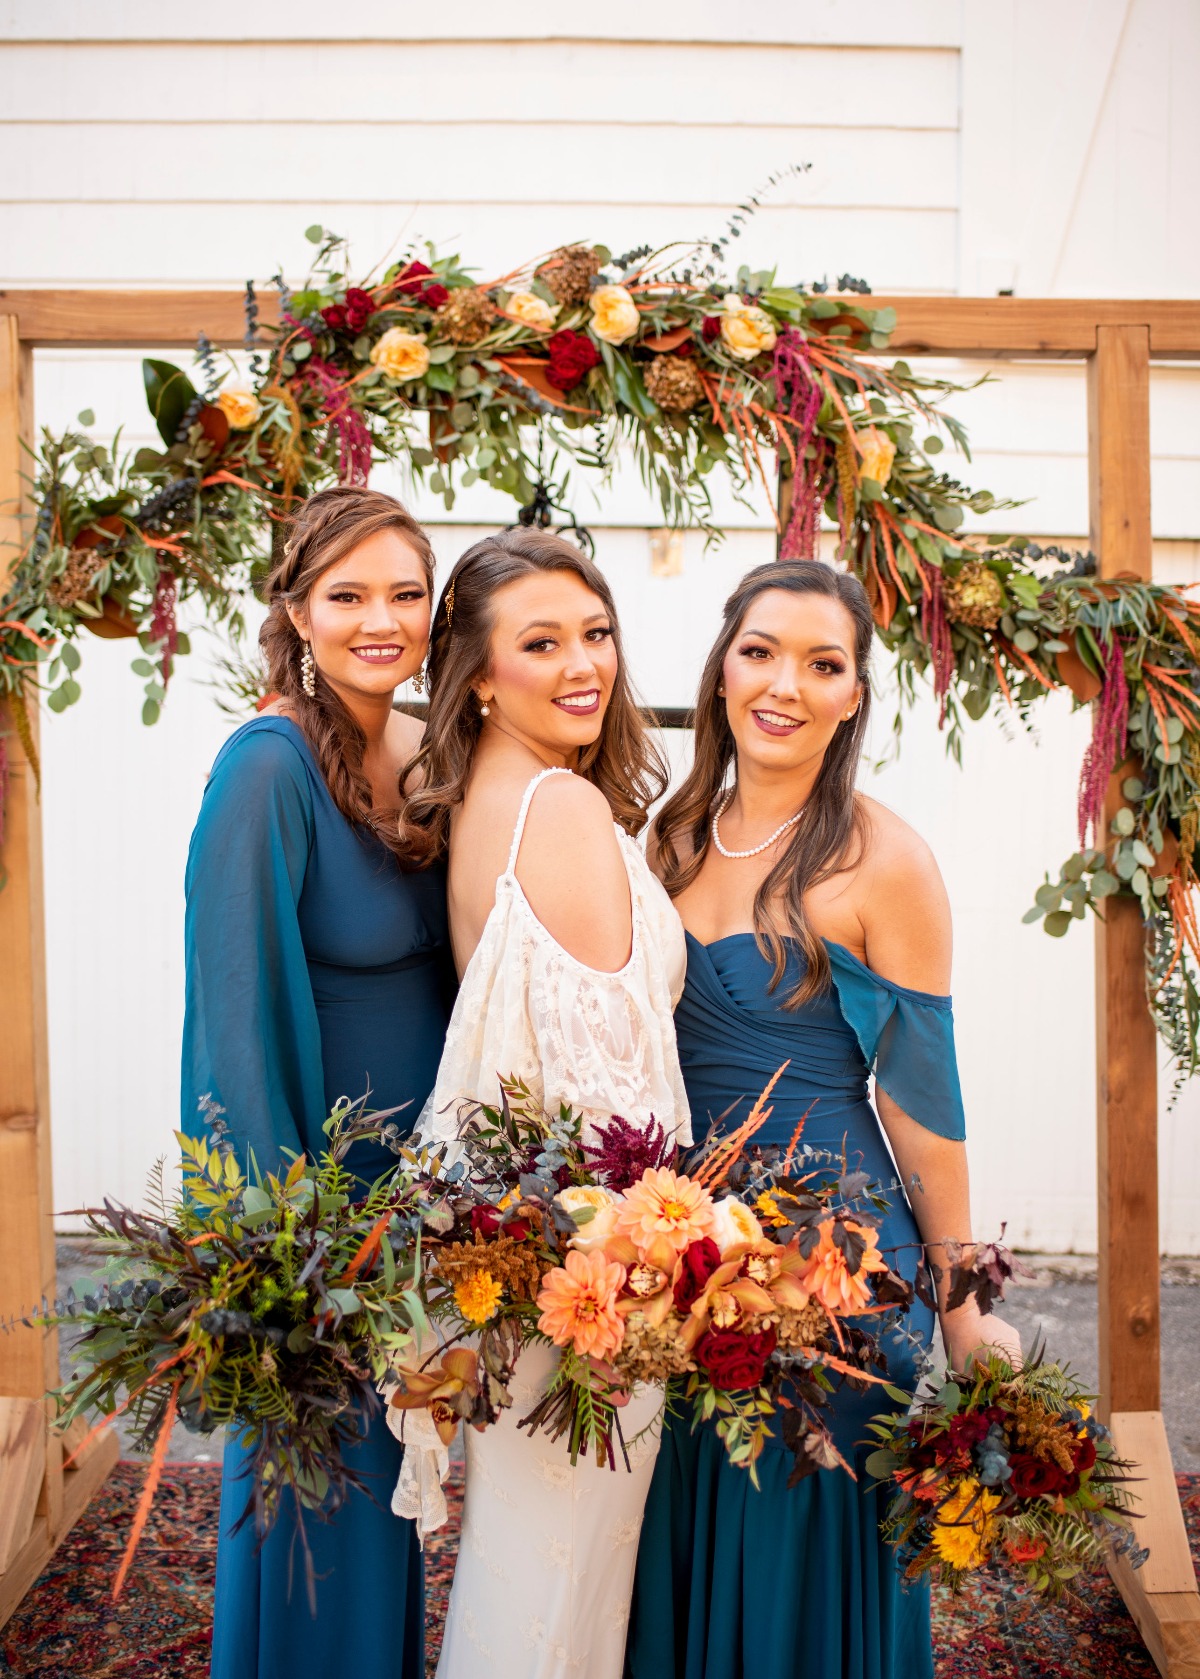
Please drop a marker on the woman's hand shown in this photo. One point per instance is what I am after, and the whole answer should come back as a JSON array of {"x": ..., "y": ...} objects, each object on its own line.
[{"x": 968, "y": 1331}]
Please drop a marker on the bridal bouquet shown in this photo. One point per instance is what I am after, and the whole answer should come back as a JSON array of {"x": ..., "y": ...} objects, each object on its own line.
[
  {"x": 746, "y": 1299},
  {"x": 1004, "y": 1468},
  {"x": 267, "y": 1304}
]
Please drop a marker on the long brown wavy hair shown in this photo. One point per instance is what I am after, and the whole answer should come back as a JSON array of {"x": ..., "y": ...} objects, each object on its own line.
[
  {"x": 623, "y": 762},
  {"x": 831, "y": 833},
  {"x": 321, "y": 532}
]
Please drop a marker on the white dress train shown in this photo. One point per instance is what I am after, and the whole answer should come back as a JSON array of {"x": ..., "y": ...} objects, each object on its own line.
[{"x": 545, "y": 1565}]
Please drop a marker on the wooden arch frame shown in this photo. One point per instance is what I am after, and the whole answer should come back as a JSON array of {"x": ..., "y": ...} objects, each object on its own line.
[{"x": 39, "y": 1500}]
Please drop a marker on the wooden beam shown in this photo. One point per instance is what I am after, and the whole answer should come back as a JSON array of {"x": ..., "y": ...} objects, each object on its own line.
[
  {"x": 28, "y": 1357},
  {"x": 1162, "y": 1596},
  {"x": 992, "y": 327},
  {"x": 80, "y": 1484}
]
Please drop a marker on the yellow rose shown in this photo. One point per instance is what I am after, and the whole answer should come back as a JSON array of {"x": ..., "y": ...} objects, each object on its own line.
[
  {"x": 746, "y": 329},
  {"x": 877, "y": 457},
  {"x": 239, "y": 405},
  {"x": 614, "y": 314},
  {"x": 531, "y": 310},
  {"x": 402, "y": 355}
]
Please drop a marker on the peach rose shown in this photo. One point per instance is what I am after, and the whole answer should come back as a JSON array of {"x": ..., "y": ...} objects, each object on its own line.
[
  {"x": 614, "y": 314},
  {"x": 402, "y": 355},
  {"x": 532, "y": 310},
  {"x": 240, "y": 406},
  {"x": 597, "y": 1230},
  {"x": 734, "y": 1225},
  {"x": 746, "y": 329}
]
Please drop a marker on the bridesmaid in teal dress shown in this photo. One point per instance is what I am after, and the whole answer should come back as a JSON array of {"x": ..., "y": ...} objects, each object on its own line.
[
  {"x": 318, "y": 968},
  {"x": 818, "y": 934}
]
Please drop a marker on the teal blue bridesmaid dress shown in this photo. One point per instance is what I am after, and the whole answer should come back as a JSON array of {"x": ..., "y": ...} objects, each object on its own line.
[
  {"x": 779, "y": 1583},
  {"x": 315, "y": 969}
]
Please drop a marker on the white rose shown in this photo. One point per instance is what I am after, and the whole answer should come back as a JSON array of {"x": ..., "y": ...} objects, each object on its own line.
[
  {"x": 734, "y": 1224},
  {"x": 532, "y": 310}
]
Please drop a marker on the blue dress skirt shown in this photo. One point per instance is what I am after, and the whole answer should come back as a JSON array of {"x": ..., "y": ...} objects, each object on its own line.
[
  {"x": 779, "y": 1583},
  {"x": 315, "y": 969}
]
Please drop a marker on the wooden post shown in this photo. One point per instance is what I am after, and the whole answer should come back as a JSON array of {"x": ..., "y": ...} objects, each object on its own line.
[
  {"x": 37, "y": 1503},
  {"x": 1161, "y": 1596}
]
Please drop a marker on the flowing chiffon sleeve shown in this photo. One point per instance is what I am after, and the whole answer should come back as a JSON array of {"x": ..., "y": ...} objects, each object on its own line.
[
  {"x": 907, "y": 1039},
  {"x": 251, "y": 1038}
]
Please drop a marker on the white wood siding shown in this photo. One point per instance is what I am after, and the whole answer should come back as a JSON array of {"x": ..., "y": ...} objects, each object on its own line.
[{"x": 955, "y": 147}]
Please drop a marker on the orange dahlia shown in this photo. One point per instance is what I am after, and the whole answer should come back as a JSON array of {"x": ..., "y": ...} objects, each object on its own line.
[
  {"x": 827, "y": 1276},
  {"x": 663, "y": 1213},
  {"x": 578, "y": 1303}
]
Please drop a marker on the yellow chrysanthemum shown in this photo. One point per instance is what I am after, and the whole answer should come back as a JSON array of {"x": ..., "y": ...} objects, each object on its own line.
[
  {"x": 966, "y": 1543},
  {"x": 478, "y": 1296},
  {"x": 767, "y": 1208}
]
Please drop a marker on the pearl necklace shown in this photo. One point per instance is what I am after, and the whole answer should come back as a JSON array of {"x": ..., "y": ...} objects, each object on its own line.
[{"x": 754, "y": 850}]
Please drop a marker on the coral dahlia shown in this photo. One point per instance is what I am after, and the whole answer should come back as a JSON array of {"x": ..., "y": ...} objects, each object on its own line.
[
  {"x": 578, "y": 1303},
  {"x": 665, "y": 1209}
]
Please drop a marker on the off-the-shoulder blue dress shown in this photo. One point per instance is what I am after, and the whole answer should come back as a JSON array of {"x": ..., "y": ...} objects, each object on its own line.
[
  {"x": 734, "y": 1583},
  {"x": 315, "y": 969}
]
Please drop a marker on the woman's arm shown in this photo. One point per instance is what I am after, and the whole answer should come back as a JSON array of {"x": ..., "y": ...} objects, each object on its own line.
[
  {"x": 571, "y": 870},
  {"x": 251, "y": 1039},
  {"x": 906, "y": 921}
]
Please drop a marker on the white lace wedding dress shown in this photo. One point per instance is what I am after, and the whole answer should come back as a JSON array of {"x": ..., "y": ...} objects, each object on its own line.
[{"x": 545, "y": 1565}]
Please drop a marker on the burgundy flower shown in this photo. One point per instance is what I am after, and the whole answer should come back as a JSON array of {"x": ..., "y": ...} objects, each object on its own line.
[
  {"x": 687, "y": 348},
  {"x": 411, "y": 280},
  {"x": 1084, "y": 1453},
  {"x": 710, "y": 328},
  {"x": 334, "y": 317},
  {"x": 487, "y": 1221},
  {"x": 435, "y": 295},
  {"x": 1031, "y": 1478},
  {"x": 360, "y": 306},
  {"x": 969, "y": 1429},
  {"x": 733, "y": 1359},
  {"x": 572, "y": 355},
  {"x": 696, "y": 1265}
]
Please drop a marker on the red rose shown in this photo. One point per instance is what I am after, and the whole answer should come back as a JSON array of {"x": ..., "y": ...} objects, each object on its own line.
[
  {"x": 710, "y": 328},
  {"x": 572, "y": 355},
  {"x": 434, "y": 296},
  {"x": 1084, "y": 1453},
  {"x": 489, "y": 1220},
  {"x": 334, "y": 317},
  {"x": 735, "y": 1360},
  {"x": 1031, "y": 1478},
  {"x": 696, "y": 1265},
  {"x": 410, "y": 280},
  {"x": 360, "y": 306}
]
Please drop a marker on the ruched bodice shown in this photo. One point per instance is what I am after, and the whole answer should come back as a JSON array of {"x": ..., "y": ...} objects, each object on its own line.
[{"x": 731, "y": 1024}]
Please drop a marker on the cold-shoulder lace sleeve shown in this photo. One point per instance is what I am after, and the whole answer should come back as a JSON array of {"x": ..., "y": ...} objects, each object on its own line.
[
  {"x": 907, "y": 1039},
  {"x": 602, "y": 1042}
]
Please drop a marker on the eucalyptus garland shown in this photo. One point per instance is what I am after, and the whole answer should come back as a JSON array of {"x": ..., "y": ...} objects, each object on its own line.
[{"x": 581, "y": 357}]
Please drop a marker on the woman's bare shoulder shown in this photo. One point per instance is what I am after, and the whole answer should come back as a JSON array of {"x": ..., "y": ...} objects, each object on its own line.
[{"x": 904, "y": 907}]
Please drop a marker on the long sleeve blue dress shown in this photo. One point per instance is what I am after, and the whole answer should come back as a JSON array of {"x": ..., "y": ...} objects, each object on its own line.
[
  {"x": 734, "y": 1583},
  {"x": 315, "y": 969}
]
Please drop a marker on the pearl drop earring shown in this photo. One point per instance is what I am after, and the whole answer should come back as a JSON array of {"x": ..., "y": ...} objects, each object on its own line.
[
  {"x": 485, "y": 709},
  {"x": 308, "y": 672}
]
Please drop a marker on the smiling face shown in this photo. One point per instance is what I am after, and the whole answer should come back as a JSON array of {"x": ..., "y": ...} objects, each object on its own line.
[
  {"x": 367, "y": 617},
  {"x": 552, "y": 664},
  {"x": 789, "y": 679}
]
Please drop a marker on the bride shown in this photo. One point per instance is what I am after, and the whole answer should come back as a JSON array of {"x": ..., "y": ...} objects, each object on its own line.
[{"x": 536, "y": 773}]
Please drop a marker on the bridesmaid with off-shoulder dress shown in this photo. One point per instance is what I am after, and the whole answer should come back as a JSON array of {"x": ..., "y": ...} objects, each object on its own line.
[{"x": 817, "y": 935}]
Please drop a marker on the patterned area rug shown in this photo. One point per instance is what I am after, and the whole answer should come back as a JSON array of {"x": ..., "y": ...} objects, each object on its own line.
[{"x": 67, "y": 1628}]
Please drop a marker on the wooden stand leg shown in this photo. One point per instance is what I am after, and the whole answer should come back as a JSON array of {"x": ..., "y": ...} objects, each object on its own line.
[
  {"x": 32, "y": 1490},
  {"x": 1162, "y": 1596}
]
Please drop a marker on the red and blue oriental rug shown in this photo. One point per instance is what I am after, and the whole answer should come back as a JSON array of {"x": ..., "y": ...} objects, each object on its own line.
[{"x": 67, "y": 1628}]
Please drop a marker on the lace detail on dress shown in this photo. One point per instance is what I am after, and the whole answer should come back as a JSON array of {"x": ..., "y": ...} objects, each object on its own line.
[{"x": 602, "y": 1042}]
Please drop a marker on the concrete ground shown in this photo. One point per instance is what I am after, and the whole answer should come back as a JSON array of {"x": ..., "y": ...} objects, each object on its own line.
[{"x": 1058, "y": 1302}]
